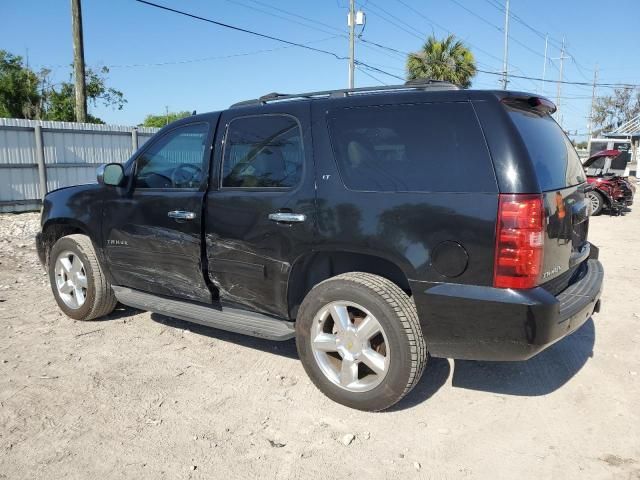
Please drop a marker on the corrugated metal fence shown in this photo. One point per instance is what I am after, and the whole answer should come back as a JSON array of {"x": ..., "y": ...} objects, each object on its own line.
[{"x": 37, "y": 157}]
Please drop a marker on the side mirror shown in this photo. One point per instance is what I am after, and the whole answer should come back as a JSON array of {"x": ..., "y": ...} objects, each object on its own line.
[{"x": 110, "y": 174}]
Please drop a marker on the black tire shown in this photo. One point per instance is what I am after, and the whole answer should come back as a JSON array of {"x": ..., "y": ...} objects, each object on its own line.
[
  {"x": 396, "y": 314},
  {"x": 596, "y": 202},
  {"x": 99, "y": 299}
]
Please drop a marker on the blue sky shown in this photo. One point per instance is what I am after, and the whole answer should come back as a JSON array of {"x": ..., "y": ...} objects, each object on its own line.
[{"x": 204, "y": 67}]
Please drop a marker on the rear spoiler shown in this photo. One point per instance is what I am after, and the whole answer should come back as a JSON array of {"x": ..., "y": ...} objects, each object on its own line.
[{"x": 526, "y": 102}]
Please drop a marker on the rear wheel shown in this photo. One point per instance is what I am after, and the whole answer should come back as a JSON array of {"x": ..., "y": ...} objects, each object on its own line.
[
  {"x": 360, "y": 341},
  {"x": 596, "y": 201},
  {"x": 77, "y": 281}
]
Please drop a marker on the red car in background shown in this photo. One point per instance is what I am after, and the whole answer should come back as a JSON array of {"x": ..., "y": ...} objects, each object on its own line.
[{"x": 611, "y": 189}]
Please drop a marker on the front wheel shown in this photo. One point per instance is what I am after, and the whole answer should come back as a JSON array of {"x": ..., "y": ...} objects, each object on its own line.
[
  {"x": 78, "y": 283},
  {"x": 596, "y": 202},
  {"x": 360, "y": 341}
]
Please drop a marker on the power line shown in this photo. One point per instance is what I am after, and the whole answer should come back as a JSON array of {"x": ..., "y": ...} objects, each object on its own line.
[
  {"x": 376, "y": 69},
  {"x": 310, "y": 23},
  {"x": 446, "y": 30},
  {"x": 364, "y": 70},
  {"x": 567, "y": 82},
  {"x": 522, "y": 22},
  {"x": 310, "y": 20},
  {"x": 397, "y": 22},
  {"x": 497, "y": 27},
  {"x": 240, "y": 29},
  {"x": 361, "y": 64},
  {"x": 207, "y": 59},
  {"x": 420, "y": 14},
  {"x": 555, "y": 42},
  {"x": 263, "y": 35},
  {"x": 199, "y": 60}
]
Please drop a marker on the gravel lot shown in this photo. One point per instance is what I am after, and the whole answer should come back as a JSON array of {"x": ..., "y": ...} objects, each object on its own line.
[{"x": 139, "y": 395}]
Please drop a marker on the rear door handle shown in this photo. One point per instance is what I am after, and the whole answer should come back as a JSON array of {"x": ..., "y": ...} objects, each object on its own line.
[
  {"x": 286, "y": 217},
  {"x": 181, "y": 215}
]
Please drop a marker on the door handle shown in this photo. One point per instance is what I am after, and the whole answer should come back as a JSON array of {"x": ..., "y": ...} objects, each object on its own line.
[
  {"x": 181, "y": 215},
  {"x": 286, "y": 217}
]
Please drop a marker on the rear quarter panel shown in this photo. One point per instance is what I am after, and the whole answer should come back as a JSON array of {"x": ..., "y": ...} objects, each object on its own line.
[{"x": 402, "y": 227}]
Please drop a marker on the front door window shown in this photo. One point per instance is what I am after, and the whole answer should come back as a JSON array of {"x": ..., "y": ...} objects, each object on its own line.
[{"x": 175, "y": 160}]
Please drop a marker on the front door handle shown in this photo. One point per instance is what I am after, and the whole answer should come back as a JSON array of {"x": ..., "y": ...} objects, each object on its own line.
[
  {"x": 286, "y": 217},
  {"x": 181, "y": 215}
]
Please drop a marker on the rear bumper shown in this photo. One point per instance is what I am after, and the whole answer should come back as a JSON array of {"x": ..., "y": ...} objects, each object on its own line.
[{"x": 486, "y": 323}]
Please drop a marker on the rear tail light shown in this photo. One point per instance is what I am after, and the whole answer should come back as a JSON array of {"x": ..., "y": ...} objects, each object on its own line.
[{"x": 519, "y": 241}]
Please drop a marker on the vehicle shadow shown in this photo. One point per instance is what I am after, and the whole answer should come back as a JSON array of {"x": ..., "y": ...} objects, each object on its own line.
[
  {"x": 121, "y": 311},
  {"x": 435, "y": 376},
  {"x": 540, "y": 375},
  {"x": 285, "y": 349}
]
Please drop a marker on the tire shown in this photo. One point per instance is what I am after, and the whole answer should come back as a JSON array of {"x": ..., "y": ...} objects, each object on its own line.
[
  {"x": 99, "y": 299},
  {"x": 596, "y": 201},
  {"x": 399, "y": 343}
]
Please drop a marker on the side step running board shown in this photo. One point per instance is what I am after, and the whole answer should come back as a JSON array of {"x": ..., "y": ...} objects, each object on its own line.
[{"x": 231, "y": 319}]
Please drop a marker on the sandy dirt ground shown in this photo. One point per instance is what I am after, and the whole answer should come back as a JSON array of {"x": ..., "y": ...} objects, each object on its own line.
[{"x": 143, "y": 396}]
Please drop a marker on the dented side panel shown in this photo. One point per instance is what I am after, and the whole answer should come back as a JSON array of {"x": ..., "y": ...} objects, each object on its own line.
[
  {"x": 146, "y": 248},
  {"x": 249, "y": 256},
  {"x": 151, "y": 252}
]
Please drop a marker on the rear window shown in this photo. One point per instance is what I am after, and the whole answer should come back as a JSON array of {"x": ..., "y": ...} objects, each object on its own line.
[
  {"x": 555, "y": 161},
  {"x": 435, "y": 147}
]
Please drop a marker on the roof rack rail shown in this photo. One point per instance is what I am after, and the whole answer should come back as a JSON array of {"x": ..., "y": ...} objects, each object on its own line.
[{"x": 418, "y": 84}]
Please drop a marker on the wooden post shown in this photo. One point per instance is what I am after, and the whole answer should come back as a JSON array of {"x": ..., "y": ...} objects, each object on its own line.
[
  {"x": 78, "y": 62},
  {"x": 42, "y": 168}
]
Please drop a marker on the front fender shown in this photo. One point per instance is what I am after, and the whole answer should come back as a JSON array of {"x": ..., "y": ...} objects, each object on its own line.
[{"x": 72, "y": 210}]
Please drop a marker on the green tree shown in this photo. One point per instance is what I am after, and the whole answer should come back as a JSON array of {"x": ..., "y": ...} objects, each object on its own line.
[
  {"x": 611, "y": 111},
  {"x": 447, "y": 59},
  {"x": 19, "y": 95},
  {"x": 159, "y": 121},
  {"x": 60, "y": 101},
  {"x": 27, "y": 94}
]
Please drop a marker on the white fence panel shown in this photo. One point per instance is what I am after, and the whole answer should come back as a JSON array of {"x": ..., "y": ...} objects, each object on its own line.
[
  {"x": 18, "y": 185},
  {"x": 71, "y": 152}
]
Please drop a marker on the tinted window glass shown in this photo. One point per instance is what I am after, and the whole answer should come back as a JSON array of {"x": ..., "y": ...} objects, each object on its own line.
[
  {"x": 436, "y": 147},
  {"x": 555, "y": 160},
  {"x": 175, "y": 160},
  {"x": 262, "y": 152},
  {"x": 595, "y": 147},
  {"x": 598, "y": 163}
]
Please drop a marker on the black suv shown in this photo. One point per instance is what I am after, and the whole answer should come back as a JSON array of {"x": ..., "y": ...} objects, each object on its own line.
[{"x": 377, "y": 226}]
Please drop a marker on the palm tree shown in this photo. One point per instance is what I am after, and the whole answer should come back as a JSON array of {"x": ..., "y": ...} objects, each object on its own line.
[{"x": 448, "y": 59}]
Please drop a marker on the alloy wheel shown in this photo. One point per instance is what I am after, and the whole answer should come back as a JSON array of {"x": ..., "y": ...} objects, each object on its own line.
[
  {"x": 594, "y": 202},
  {"x": 350, "y": 346},
  {"x": 71, "y": 279}
]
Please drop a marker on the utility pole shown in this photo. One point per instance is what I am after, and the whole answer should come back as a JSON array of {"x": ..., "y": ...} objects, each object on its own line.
[
  {"x": 505, "y": 63},
  {"x": 78, "y": 62},
  {"x": 593, "y": 101},
  {"x": 544, "y": 66},
  {"x": 559, "y": 90},
  {"x": 352, "y": 41}
]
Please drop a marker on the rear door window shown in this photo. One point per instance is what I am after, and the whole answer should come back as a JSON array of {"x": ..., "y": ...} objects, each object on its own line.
[
  {"x": 431, "y": 147},
  {"x": 555, "y": 161},
  {"x": 263, "y": 151}
]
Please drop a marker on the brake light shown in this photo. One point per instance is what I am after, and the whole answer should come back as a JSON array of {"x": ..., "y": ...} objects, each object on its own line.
[{"x": 519, "y": 241}]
